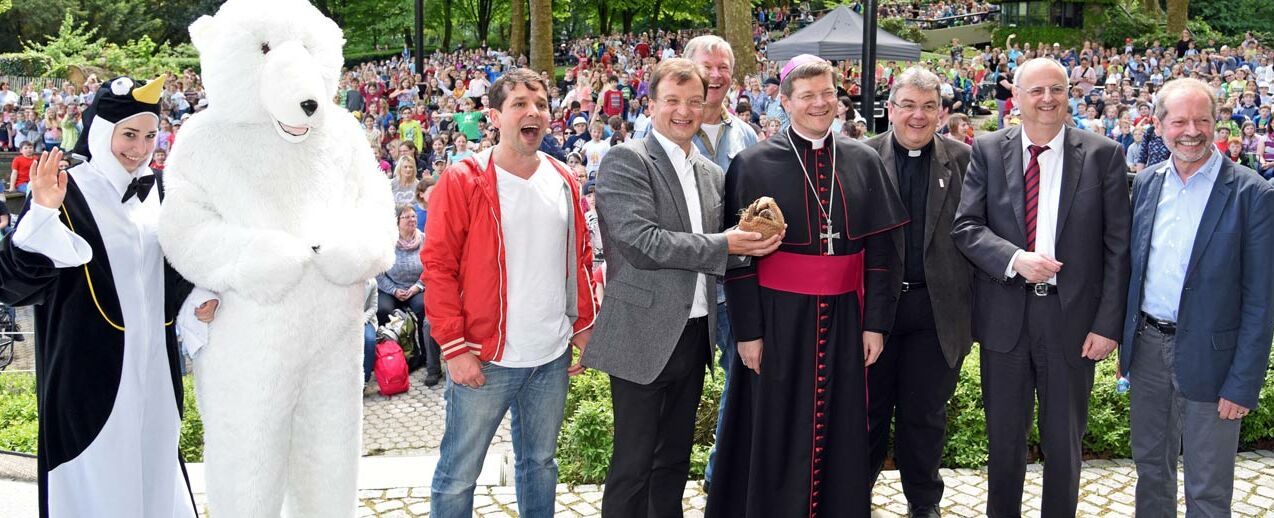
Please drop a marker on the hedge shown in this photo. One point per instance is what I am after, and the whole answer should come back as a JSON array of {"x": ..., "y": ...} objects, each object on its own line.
[
  {"x": 18, "y": 418},
  {"x": 1067, "y": 37},
  {"x": 584, "y": 446}
]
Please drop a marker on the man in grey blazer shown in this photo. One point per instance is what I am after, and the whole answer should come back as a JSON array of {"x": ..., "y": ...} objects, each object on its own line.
[
  {"x": 918, "y": 370},
  {"x": 1044, "y": 217},
  {"x": 659, "y": 204}
]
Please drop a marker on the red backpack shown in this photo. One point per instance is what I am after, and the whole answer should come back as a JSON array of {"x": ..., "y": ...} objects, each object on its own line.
[{"x": 391, "y": 368}]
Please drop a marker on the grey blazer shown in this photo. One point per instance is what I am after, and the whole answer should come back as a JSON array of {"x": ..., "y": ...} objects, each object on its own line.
[
  {"x": 652, "y": 258},
  {"x": 947, "y": 272}
]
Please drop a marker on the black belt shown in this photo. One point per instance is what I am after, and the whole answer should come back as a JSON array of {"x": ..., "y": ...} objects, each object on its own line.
[
  {"x": 1163, "y": 326},
  {"x": 1040, "y": 289},
  {"x": 912, "y": 286}
]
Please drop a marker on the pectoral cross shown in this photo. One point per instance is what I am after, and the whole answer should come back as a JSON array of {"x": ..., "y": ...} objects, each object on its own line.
[{"x": 831, "y": 240}]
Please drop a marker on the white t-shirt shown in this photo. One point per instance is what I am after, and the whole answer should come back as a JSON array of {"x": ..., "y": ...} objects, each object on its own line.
[
  {"x": 641, "y": 127},
  {"x": 711, "y": 130},
  {"x": 594, "y": 152},
  {"x": 533, "y": 215}
]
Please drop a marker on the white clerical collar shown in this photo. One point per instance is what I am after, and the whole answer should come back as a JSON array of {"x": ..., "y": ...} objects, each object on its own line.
[{"x": 815, "y": 143}]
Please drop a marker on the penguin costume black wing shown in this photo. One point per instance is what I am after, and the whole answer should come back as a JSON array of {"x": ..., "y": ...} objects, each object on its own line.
[{"x": 107, "y": 360}]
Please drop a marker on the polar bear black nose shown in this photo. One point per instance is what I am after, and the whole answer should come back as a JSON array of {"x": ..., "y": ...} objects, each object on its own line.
[{"x": 309, "y": 107}]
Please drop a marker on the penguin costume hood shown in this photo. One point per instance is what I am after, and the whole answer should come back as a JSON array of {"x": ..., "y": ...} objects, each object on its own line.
[{"x": 118, "y": 100}]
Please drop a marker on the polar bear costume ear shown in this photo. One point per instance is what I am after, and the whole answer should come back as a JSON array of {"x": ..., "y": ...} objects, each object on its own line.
[{"x": 202, "y": 32}]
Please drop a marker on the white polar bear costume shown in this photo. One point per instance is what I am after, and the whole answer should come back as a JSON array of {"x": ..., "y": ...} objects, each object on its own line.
[{"x": 274, "y": 202}]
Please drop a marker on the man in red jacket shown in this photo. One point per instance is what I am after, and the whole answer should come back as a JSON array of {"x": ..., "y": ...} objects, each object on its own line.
[{"x": 505, "y": 228}]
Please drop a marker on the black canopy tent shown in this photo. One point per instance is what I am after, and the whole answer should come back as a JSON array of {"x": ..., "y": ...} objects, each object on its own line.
[{"x": 838, "y": 35}]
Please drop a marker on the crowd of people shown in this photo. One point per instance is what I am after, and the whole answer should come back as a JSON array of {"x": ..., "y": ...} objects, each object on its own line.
[
  {"x": 939, "y": 15},
  {"x": 1113, "y": 92}
]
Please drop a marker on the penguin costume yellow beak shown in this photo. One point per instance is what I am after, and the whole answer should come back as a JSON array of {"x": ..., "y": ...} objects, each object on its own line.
[
  {"x": 150, "y": 93},
  {"x": 118, "y": 99}
]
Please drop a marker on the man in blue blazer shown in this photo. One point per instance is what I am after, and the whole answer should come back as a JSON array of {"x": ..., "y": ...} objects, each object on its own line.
[{"x": 1199, "y": 319}]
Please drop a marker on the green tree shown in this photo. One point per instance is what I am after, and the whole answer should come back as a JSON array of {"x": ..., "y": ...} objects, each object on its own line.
[
  {"x": 30, "y": 21},
  {"x": 177, "y": 15},
  {"x": 479, "y": 12},
  {"x": 120, "y": 21},
  {"x": 1234, "y": 17}
]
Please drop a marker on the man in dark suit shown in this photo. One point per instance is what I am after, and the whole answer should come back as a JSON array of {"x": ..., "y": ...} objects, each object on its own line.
[
  {"x": 1199, "y": 318},
  {"x": 1044, "y": 217},
  {"x": 918, "y": 370},
  {"x": 659, "y": 204}
]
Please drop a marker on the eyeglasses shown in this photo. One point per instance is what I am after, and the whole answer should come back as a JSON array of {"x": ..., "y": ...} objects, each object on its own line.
[
  {"x": 1055, "y": 90},
  {"x": 927, "y": 108},
  {"x": 674, "y": 103}
]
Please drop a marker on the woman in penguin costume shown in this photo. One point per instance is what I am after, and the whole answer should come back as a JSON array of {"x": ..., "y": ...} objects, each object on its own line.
[{"x": 86, "y": 254}]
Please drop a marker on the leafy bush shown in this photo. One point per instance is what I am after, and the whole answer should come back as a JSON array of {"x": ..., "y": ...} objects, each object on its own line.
[
  {"x": 19, "y": 419},
  {"x": 966, "y": 426},
  {"x": 78, "y": 45},
  {"x": 24, "y": 65},
  {"x": 990, "y": 124},
  {"x": 899, "y": 27},
  {"x": 1119, "y": 23},
  {"x": 191, "y": 442},
  {"x": 584, "y": 447},
  {"x": 18, "y": 412},
  {"x": 1032, "y": 35},
  {"x": 358, "y": 57}
]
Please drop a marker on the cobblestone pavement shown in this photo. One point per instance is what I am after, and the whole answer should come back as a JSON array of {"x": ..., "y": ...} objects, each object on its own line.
[
  {"x": 411, "y": 423},
  {"x": 1106, "y": 491}
]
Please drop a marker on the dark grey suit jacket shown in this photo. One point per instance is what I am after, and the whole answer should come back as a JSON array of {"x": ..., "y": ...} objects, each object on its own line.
[
  {"x": 1093, "y": 223},
  {"x": 652, "y": 258},
  {"x": 947, "y": 271}
]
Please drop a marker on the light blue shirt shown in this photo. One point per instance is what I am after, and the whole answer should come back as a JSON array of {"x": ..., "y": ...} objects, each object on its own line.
[
  {"x": 1177, "y": 219},
  {"x": 735, "y": 136}
]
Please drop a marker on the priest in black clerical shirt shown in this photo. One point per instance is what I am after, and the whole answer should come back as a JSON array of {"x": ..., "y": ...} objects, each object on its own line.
[
  {"x": 917, "y": 373},
  {"x": 808, "y": 317}
]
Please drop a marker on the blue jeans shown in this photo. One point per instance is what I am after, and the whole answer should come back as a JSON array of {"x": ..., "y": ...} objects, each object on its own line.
[
  {"x": 729, "y": 348},
  {"x": 537, "y": 398},
  {"x": 369, "y": 350}
]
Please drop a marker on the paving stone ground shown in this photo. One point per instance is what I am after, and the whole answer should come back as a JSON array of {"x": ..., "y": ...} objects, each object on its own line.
[
  {"x": 412, "y": 423},
  {"x": 1106, "y": 491}
]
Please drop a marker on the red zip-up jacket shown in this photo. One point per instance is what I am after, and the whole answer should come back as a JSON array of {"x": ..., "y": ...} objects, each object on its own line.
[{"x": 466, "y": 285}]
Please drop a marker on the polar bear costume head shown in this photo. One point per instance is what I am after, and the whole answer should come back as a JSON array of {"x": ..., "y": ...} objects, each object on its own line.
[{"x": 275, "y": 62}]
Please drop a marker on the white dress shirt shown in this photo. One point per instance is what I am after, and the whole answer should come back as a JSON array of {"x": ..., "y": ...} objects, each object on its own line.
[
  {"x": 686, "y": 174},
  {"x": 1049, "y": 198}
]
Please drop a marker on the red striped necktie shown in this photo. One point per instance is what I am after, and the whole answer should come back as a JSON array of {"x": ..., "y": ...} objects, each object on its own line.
[{"x": 1032, "y": 190}]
